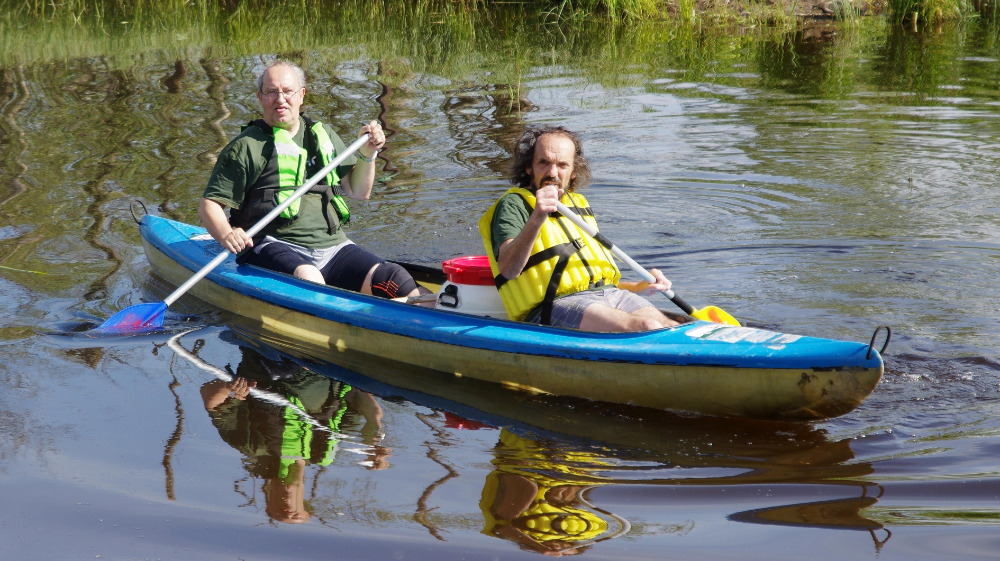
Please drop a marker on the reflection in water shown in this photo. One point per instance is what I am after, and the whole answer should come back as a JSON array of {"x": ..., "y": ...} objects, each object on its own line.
[
  {"x": 173, "y": 82},
  {"x": 838, "y": 514},
  {"x": 423, "y": 510},
  {"x": 216, "y": 90},
  {"x": 119, "y": 90},
  {"x": 173, "y": 440},
  {"x": 14, "y": 95},
  {"x": 169, "y": 147},
  {"x": 14, "y": 144},
  {"x": 283, "y": 418},
  {"x": 386, "y": 99},
  {"x": 537, "y": 497},
  {"x": 538, "y": 494},
  {"x": 485, "y": 120}
]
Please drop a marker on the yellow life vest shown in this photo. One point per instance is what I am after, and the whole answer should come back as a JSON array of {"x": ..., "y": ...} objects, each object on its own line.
[{"x": 564, "y": 260}]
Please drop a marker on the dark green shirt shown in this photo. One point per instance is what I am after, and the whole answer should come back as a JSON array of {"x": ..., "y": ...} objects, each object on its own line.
[
  {"x": 509, "y": 218},
  {"x": 240, "y": 165}
]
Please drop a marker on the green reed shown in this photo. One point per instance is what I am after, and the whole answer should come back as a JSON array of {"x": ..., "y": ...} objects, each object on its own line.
[
  {"x": 448, "y": 37},
  {"x": 150, "y": 10},
  {"x": 935, "y": 11},
  {"x": 443, "y": 33},
  {"x": 614, "y": 9},
  {"x": 109, "y": 14}
]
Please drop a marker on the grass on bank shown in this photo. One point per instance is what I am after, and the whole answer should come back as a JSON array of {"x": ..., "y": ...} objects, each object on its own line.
[
  {"x": 111, "y": 10},
  {"x": 154, "y": 12}
]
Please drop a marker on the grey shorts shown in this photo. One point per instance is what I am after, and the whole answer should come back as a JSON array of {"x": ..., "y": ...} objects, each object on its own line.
[
  {"x": 567, "y": 311},
  {"x": 344, "y": 266}
]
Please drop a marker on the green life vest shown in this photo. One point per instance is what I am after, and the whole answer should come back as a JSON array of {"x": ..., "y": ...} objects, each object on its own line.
[
  {"x": 292, "y": 169},
  {"x": 285, "y": 171}
]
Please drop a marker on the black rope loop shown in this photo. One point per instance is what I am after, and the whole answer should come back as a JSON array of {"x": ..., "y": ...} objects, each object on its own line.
[
  {"x": 888, "y": 336},
  {"x": 132, "y": 210}
]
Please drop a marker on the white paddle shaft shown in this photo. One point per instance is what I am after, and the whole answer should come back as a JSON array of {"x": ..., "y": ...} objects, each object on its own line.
[
  {"x": 592, "y": 232},
  {"x": 268, "y": 218}
]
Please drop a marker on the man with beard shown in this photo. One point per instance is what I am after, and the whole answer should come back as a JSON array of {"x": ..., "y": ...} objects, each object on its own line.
[{"x": 547, "y": 269}]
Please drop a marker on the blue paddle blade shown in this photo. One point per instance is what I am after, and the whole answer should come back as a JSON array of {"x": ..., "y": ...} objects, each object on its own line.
[{"x": 141, "y": 317}]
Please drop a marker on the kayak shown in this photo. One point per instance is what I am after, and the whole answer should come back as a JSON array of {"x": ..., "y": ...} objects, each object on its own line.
[{"x": 698, "y": 367}]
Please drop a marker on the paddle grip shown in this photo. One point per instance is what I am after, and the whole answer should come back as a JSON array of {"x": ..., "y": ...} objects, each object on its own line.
[{"x": 681, "y": 303}]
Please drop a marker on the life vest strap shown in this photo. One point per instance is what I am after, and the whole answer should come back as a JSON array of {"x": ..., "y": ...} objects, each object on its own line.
[{"x": 562, "y": 251}]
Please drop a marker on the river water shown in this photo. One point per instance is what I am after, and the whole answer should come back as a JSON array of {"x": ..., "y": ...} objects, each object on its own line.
[{"x": 820, "y": 183}]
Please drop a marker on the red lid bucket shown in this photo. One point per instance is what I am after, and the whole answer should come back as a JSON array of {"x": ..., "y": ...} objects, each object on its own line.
[{"x": 471, "y": 269}]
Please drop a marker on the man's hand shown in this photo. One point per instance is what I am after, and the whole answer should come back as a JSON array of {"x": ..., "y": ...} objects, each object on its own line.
[
  {"x": 236, "y": 241},
  {"x": 376, "y": 138},
  {"x": 213, "y": 217},
  {"x": 644, "y": 288},
  {"x": 239, "y": 388},
  {"x": 546, "y": 198}
]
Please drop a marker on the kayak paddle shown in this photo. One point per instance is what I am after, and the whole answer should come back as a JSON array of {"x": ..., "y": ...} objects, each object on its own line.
[
  {"x": 708, "y": 313},
  {"x": 148, "y": 316}
]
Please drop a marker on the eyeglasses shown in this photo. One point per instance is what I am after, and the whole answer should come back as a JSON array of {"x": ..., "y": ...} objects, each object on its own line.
[{"x": 273, "y": 94}]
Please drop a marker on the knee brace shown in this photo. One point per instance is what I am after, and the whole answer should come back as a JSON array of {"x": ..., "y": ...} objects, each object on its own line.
[{"x": 390, "y": 280}]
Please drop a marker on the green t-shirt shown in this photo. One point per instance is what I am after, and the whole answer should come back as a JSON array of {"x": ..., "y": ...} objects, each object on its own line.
[
  {"x": 509, "y": 218},
  {"x": 241, "y": 163}
]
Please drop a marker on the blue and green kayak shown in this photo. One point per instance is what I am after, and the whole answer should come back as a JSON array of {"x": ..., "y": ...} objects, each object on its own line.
[{"x": 698, "y": 367}]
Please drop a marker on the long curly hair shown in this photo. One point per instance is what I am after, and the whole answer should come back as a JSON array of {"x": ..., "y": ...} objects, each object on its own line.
[{"x": 524, "y": 154}]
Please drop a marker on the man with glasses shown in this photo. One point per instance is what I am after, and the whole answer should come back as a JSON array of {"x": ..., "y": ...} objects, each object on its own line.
[{"x": 271, "y": 158}]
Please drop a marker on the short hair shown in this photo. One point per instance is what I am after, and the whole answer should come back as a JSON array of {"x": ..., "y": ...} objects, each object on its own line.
[
  {"x": 300, "y": 75},
  {"x": 524, "y": 154}
]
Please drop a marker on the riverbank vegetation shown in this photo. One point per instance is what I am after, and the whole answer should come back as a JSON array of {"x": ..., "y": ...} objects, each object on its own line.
[
  {"x": 452, "y": 36},
  {"x": 421, "y": 34},
  {"x": 155, "y": 12}
]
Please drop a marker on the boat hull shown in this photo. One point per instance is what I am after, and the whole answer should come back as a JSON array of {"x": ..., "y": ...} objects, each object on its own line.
[{"x": 698, "y": 367}]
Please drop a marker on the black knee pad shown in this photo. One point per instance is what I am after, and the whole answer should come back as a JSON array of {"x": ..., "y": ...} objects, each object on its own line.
[{"x": 392, "y": 281}]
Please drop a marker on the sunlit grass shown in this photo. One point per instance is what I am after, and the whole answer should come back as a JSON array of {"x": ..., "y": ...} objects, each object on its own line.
[
  {"x": 106, "y": 14},
  {"x": 934, "y": 11},
  {"x": 454, "y": 39},
  {"x": 446, "y": 36},
  {"x": 613, "y": 9}
]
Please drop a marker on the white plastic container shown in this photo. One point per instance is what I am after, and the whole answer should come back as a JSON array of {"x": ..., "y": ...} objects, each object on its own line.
[{"x": 470, "y": 288}]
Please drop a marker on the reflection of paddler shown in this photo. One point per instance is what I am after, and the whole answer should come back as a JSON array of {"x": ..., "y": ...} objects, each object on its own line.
[
  {"x": 278, "y": 442},
  {"x": 538, "y": 499},
  {"x": 273, "y": 437}
]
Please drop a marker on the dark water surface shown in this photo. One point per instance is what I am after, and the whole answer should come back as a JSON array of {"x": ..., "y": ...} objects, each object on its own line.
[{"x": 813, "y": 186}]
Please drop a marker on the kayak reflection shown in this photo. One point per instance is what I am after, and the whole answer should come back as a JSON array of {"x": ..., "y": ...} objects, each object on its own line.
[
  {"x": 279, "y": 440},
  {"x": 539, "y": 494},
  {"x": 565, "y": 470}
]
